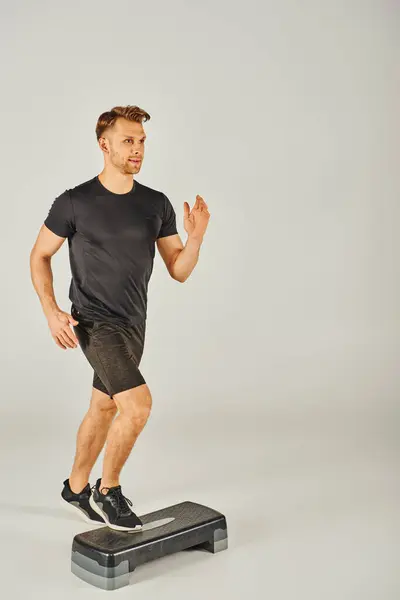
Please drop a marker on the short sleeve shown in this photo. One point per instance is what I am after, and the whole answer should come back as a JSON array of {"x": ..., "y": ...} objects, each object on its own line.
[
  {"x": 60, "y": 219},
  {"x": 168, "y": 226}
]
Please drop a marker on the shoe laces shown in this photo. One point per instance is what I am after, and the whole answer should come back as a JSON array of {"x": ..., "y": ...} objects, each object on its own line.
[
  {"x": 122, "y": 501},
  {"x": 119, "y": 501}
]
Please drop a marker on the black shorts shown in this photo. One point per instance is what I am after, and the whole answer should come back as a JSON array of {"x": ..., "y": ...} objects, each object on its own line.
[{"x": 114, "y": 351}]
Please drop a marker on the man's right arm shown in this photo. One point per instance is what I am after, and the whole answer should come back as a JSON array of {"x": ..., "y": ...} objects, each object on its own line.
[{"x": 46, "y": 245}]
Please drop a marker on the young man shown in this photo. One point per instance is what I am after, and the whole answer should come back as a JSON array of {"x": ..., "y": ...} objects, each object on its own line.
[{"x": 112, "y": 223}]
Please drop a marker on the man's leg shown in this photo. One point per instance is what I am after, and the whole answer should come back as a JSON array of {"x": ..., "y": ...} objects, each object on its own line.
[
  {"x": 134, "y": 407},
  {"x": 91, "y": 437}
]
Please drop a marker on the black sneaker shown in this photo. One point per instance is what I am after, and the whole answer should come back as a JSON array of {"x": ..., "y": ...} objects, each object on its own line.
[
  {"x": 114, "y": 509},
  {"x": 79, "y": 503}
]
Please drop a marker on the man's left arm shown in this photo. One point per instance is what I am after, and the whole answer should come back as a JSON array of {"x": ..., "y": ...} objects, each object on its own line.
[{"x": 180, "y": 260}]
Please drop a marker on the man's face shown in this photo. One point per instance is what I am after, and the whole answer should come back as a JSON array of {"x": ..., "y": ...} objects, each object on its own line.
[{"x": 125, "y": 142}]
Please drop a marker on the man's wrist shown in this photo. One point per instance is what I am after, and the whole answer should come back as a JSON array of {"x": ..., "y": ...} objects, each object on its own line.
[
  {"x": 50, "y": 307},
  {"x": 195, "y": 239}
]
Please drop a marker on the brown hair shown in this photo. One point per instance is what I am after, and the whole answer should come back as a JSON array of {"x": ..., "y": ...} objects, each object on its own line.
[{"x": 107, "y": 119}]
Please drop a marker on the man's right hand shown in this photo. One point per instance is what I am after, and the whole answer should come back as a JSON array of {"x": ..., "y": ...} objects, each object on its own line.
[{"x": 59, "y": 324}]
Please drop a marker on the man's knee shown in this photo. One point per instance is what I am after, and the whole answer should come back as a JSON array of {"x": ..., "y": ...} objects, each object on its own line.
[
  {"x": 102, "y": 402},
  {"x": 135, "y": 402}
]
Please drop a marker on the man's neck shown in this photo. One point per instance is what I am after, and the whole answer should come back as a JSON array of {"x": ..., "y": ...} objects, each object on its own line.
[{"x": 117, "y": 182}]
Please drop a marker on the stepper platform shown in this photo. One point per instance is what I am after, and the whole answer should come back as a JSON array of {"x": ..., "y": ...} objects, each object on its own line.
[{"x": 106, "y": 558}]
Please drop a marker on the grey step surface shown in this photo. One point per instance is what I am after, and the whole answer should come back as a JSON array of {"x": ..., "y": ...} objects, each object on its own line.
[{"x": 106, "y": 558}]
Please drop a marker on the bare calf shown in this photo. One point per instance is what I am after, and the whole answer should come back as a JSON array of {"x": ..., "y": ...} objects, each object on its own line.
[{"x": 134, "y": 406}]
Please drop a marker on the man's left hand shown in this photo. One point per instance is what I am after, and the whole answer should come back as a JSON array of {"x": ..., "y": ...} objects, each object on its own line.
[{"x": 196, "y": 220}]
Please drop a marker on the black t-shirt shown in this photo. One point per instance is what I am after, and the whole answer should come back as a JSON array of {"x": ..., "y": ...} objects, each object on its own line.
[{"x": 111, "y": 239}]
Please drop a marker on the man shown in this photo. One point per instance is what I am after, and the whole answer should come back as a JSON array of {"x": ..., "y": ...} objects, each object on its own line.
[{"x": 112, "y": 223}]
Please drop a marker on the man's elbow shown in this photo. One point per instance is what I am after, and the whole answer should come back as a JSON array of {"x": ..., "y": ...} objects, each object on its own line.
[{"x": 176, "y": 278}]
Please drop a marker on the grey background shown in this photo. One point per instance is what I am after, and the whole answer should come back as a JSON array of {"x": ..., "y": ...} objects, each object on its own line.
[{"x": 274, "y": 368}]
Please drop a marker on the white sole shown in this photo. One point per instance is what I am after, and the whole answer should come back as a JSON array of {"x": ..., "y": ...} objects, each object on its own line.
[
  {"x": 102, "y": 514},
  {"x": 77, "y": 511}
]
